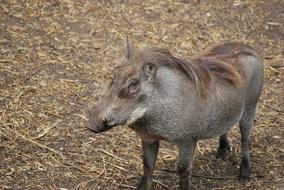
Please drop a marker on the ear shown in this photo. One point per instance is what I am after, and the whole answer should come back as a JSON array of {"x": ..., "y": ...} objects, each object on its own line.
[
  {"x": 149, "y": 70},
  {"x": 129, "y": 49}
]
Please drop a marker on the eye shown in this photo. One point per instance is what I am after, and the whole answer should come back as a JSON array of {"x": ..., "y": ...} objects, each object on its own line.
[{"x": 133, "y": 86}]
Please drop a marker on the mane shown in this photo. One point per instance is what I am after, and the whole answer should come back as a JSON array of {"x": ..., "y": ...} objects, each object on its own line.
[
  {"x": 202, "y": 70},
  {"x": 232, "y": 49}
]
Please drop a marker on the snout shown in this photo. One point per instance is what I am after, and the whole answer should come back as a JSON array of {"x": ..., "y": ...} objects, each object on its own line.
[{"x": 99, "y": 126}]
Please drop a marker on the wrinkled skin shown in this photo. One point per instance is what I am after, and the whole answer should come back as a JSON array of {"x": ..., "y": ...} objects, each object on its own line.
[
  {"x": 160, "y": 103},
  {"x": 127, "y": 92}
]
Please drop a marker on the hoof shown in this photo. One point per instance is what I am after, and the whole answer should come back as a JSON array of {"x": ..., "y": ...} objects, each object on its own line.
[
  {"x": 145, "y": 184},
  {"x": 223, "y": 152},
  {"x": 244, "y": 177},
  {"x": 190, "y": 186},
  {"x": 244, "y": 170}
]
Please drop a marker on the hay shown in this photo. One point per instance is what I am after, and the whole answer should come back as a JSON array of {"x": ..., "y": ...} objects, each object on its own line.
[{"x": 56, "y": 57}]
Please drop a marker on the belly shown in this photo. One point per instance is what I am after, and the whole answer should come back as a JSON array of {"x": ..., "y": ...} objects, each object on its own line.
[
  {"x": 221, "y": 123},
  {"x": 219, "y": 129}
]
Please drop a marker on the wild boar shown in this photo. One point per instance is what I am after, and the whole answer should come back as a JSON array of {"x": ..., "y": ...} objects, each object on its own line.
[{"x": 163, "y": 97}]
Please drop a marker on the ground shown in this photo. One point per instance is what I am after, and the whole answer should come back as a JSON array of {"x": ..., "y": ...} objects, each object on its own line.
[{"x": 57, "y": 56}]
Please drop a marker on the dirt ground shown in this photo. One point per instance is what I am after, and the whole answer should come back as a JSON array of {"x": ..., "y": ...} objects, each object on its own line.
[{"x": 57, "y": 56}]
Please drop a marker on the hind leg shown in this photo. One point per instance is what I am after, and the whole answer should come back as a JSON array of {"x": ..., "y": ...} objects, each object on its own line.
[
  {"x": 224, "y": 146},
  {"x": 245, "y": 127}
]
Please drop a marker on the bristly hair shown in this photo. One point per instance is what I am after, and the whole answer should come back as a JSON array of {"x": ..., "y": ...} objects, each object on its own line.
[
  {"x": 198, "y": 74},
  {"x": 232, "y": 49},
  {"x": 220, "y": 63}
]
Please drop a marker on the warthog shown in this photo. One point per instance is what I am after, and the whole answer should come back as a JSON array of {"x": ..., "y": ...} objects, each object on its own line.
[{"x": 163, "y": 97}]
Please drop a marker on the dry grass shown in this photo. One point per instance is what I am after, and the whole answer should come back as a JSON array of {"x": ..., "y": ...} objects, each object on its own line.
[{"x": 56, "y": 56}]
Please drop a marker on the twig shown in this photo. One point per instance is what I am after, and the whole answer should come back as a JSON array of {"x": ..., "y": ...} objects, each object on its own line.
[
  {"x": 277, "y": 66},
  {"x": 53, "y": 114},
  {"x": 31, "y": 75},
  {"x": 161, "y": 184},
  {"x": 6, "y": 187},
  {"x": 4, "y": 135},
  {"x": 117, "y": 166},
  {"x": 168, "y": 170},
  {"x": 81, "y": 116},
  {"x": 7, "y": 124},
  {"x": 127, "y": 186},
  {"x": 200, "y": 176},
  {"x": 38, "y": 144},
  {"x": 198, "y": 148},
  {"x": 46, "y": 130},
  {"x": 81, "y": 169},
  {"x": 110, "y": 154},
  {"x": 211, "y": 177},
  {"x": 105, "y": 170},
  {"x": 83, "y": 184}
]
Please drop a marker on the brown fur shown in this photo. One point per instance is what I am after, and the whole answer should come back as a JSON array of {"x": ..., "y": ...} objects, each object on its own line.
[
  {"x": 220, "y": 62},
  {"x": 232, "y": 49}
]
